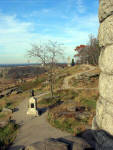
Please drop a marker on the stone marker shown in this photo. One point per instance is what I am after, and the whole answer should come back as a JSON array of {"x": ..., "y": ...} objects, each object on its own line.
[{"x": 32, "y": 107}]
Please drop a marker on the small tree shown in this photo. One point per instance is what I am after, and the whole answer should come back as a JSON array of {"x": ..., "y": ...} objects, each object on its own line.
[{"x": 48, "y": 54}]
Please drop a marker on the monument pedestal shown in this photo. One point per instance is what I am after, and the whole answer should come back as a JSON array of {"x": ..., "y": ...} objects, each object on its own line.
[{"x": 32, "y": 111}]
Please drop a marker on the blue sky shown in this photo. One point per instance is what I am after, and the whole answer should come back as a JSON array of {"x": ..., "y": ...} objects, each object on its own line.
[{"x": 23, "y": 22}]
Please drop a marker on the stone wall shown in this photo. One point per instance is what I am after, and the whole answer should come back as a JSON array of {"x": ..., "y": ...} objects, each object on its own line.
[{"x": 104, "y": 108}]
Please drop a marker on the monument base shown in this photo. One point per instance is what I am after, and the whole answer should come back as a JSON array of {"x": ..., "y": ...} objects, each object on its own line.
[{"x": 33, "y": 112}]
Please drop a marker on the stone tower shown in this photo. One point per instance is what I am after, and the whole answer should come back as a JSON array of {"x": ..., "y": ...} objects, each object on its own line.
[{"x": 104, "y": 108}]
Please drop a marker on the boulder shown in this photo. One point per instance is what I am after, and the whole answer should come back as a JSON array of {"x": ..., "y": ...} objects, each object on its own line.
[
  {"x": 83, "y": 115},
  {"x": 98, "y": 139},
  {"x": 7, "y": 110},
  {"x": 105, "y": 9},
  {"x": 75, "y": 143},
  {"x": 63, "y": 143},
  {"x": 71, "y": 108},
  {"x": 49, "y": 144},
  {"x": 105, "y": 34}
]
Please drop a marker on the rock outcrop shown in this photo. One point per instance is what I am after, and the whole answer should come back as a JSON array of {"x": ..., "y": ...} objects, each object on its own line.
[
  {"x": 104, "y": 108},
  {"x": 64, "y": 143}
]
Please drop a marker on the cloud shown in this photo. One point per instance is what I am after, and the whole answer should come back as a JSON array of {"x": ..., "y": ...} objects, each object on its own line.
[
  {"x": 17, "y": 35},
  {"x": 80, "y": 6}
]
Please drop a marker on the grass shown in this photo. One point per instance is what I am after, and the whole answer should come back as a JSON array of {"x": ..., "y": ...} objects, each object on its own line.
[
  {"x": 60, "y": 95},
  {"x": 90, "y": 103},
  {"x": 70, "y": 123},
  {"x": 13, "y": 100},
  {"x": 7, "y": 135},
  {"x": 79, "y": 98},
  {"x": 66, "y": 124},
  {"x": 33, "y": 84},
  {"x": 47, "y": 101}
]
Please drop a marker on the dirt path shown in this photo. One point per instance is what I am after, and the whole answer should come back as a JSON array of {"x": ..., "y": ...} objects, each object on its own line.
[
  {"x": 67, "y": 79},
  {"x": 33, "y": 129}
]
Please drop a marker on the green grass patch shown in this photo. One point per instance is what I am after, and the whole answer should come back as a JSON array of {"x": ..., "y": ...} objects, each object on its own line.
[
  {"x": 67, "y": 94},
  {"x": 48, "y": 101},
  {"x": 60, "y": 95},
  {"x": 7, "y": 135},
  {"x": 91, "y": 103},
  {"x": 32, "y": 84}
]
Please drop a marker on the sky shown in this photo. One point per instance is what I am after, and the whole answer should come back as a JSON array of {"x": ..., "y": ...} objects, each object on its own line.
[{"x": 27, "y": 22}]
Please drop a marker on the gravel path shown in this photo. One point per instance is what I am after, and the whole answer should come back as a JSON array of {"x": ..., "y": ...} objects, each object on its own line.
[{"x": 33, "y": 129}]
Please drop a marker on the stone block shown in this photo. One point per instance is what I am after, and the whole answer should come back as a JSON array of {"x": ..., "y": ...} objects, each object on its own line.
[
  {"x": 105, "y": 34},
  {"x": 105, "y": 9},
  {"x": 107, "y": 123},
  {"x": 106, "y": 60},
  {"x": 106, "y": 86},
  {"x": 100, "y": 106},
  {"x": 109, "y": 107}
]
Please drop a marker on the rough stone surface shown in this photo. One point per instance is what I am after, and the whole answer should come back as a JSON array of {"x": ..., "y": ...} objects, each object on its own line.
[
  {"x": 107, "y": 123},
  {"x": 98, "y": 139},
  {"x": 105, "y": 34},
  {"x": 48, "y": 145},
  {"x": 75, "y": 142},
  {"x": 64, "y": 143},
  {"x": 106, "y": 60},
  {"x": 104, "y": 108},
  {"x": 106, "y": 86},
  {"x": 105, "y": 9}
]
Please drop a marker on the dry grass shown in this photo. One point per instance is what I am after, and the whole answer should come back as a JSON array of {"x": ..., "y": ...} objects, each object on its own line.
[{"x": 80, "y": 98}]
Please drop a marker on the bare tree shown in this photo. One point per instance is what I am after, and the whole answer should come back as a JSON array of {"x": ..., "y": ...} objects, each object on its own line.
[{"x": 48, "y": 54}]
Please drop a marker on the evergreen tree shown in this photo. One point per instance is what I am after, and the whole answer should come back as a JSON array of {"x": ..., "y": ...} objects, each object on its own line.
[{"x": 73, "y": 63}]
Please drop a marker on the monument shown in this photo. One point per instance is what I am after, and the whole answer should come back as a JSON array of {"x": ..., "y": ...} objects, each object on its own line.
[
  {"x": 69, "y": 61},
  {"x": 32, "y": 106},
  {"x": 104, "y": 108}
]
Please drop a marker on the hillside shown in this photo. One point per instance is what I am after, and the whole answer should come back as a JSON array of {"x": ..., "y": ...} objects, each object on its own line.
[{"x": 75, "y": 95}]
